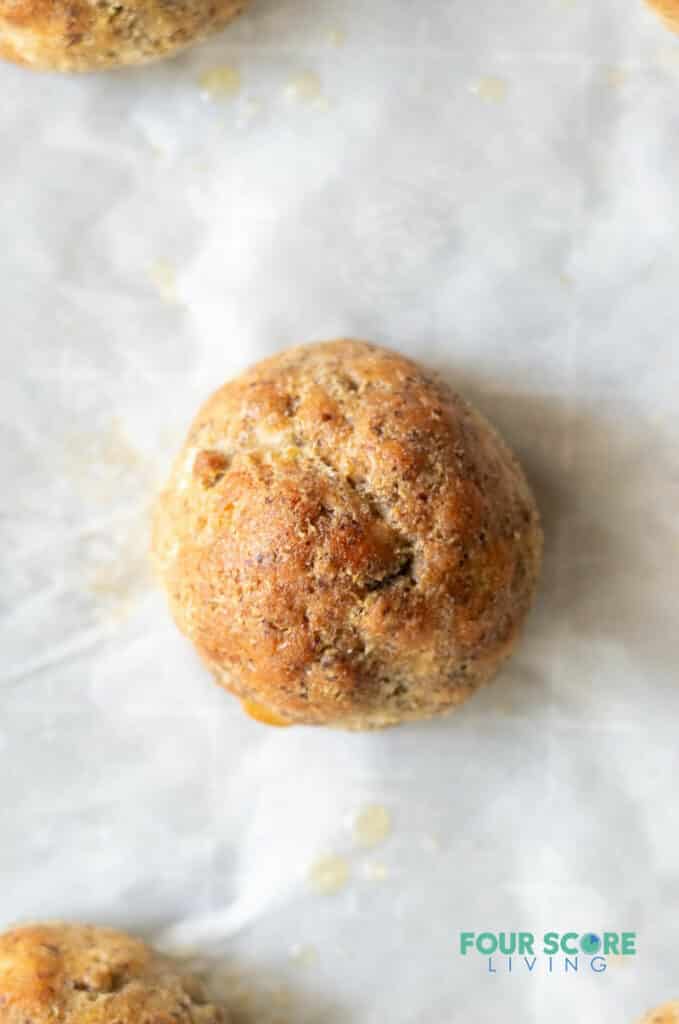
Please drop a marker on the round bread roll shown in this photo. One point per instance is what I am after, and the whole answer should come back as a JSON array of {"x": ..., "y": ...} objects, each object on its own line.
[
  {"x": 79, "y": 974},
  {"x": 89, "y": 35},
  {"x": 667, "y": 1014},
  {"x": 668, "y": 11},
  {"x": 345, "y": 540}
]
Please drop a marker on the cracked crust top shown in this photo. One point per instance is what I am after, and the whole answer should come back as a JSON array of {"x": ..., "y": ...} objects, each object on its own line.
[
  {"x": 668, "y": 11},
  {"x": 87, "y": 35},
  {"x": 345, "y": 540},
  {"x": 80, "y": 974}
]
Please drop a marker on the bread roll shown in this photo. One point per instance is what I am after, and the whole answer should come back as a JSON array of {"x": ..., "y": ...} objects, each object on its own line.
[
  {"x": 80, "y": 974},
  {"x": 88, "y": 35},
  {"x": 666, "y": 1014},
  {"x": 346, "y": 541}
]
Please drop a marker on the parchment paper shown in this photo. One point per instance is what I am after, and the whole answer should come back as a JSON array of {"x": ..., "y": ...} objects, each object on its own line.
[{"x": 490, "y": 187}]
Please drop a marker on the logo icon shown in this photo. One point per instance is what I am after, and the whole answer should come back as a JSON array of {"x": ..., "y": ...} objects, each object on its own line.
[{"x": 590, "y": 943}]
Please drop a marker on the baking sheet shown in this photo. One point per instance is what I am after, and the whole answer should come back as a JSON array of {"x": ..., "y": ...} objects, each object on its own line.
[{"x": 488, "y": 187}]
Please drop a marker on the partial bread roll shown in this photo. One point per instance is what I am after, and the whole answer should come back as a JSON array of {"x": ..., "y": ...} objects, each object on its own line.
[
  {"x": 666, "y": 1014},
  {"x": 81, "y": 974},
  {"x": 346, "y": 541},
  {"x": 88, "y": 35},
  {"x": 668, "y": 11}
]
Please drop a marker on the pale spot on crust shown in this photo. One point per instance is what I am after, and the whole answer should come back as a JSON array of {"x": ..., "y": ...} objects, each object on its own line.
[
  {"x": 20, "y": 45},
  {"x": 329, "y": 874},
  {"x": 372, "y": 825},
  {"x": 185, "y": 475}
]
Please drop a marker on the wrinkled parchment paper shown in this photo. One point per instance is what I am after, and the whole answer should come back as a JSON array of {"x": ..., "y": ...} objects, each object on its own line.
[{"x": 491, "y": 187}]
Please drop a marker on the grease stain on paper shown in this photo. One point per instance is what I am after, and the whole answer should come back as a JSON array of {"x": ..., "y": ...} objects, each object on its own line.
[
  {"x": 220, "y": 83},
  {"x": 117, "y": 482},
  {"x": 616, "y": 77},
  {"x": 490, "y": 88},
  {"x": 372, "y": 825},
  {"x": 164, "y": 276},
  {"x": 306, "y": 87},
  {"x": 329, "y": 874}
]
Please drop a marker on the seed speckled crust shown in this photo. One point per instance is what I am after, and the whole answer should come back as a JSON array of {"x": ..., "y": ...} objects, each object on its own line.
[
  {"x": 81, "y": 974},
  {"x": 90, "y": 35},
  {"x": 345, "y": 540}
]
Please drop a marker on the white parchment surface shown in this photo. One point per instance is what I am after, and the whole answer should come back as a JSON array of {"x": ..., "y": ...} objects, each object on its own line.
[{"x": 493, "y": 188}]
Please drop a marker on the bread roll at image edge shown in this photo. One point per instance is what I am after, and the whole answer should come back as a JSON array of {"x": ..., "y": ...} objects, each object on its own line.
[
  {"x": 668, "y": 11},
  {"x": 92, "y": 35},
  {"x": 668, "y": 1013},
  {"x": 83, "y": 974}
]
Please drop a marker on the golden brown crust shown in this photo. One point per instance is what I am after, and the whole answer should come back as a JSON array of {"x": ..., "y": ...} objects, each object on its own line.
[
  {"x": 668, "y": 11},
  {"x": 79, "y": 974},
  {"x": 666, "y": 1014},
  {"x": 345, "y": 540},
  {"x": 88, "y": 35}
]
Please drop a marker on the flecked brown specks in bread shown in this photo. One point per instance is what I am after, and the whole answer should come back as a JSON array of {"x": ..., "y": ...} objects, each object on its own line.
[
  {"x": 89, "y": 35},
  {"x": 668, "y": 11},
  {"x": 80, "y": 974},
  {"x": 345, "y": 540}
]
